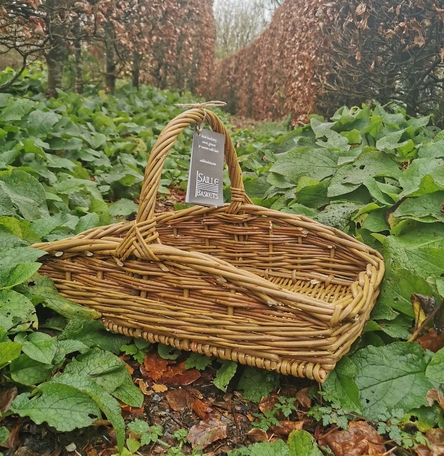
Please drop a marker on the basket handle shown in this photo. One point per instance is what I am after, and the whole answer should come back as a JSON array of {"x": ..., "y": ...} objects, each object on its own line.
[{"x": 143, "y": 232}]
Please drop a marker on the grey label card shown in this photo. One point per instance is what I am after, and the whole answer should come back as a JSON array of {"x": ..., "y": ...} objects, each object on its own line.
[{"x": 205, "y": 181}]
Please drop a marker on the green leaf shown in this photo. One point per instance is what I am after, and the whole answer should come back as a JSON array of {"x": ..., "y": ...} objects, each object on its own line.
[
  {"x": 369, "y": 164},
  {"x": 424, "y": 175},
  {"x": 40, "y": 347},
  {"x": 277, "y": 448},
  {"x": 425, "y": 208},
  {"x": 168, "y": 352},
  {"x": 432, "y": 150},
  {"x": 337, "y": 214},
  {"x": 93, "y": 334},
  {"x": 40, "y": 122},
  {"x": 17, "y": 275},
  {"x": 391, "y": 378},
  {"x": 318, "y": 163},
  {"x": 389, "y": 141},
  {"x": 341, "y": 388},
  {"x": 11, "y": 257},
  {"x": 26, "y": 193},
  {"x": 16, "y": 109},
  {"x": 198, "y": 361},
  {"x": 128, "y": 393},
  {"x": 43, "y": 287},
  {"x": 29, "y": 372},
  {"x": 302, "y": 443},
  {"x": 61, "y": 406},
  {"x": 109, "y": 406},
  {"x": 17, "y": 313},
  {"x": 435, "y": 371},
  {"x": 8, "y": 352},
  {"x": 257, "y": 383},
  {"x": 123, "y": 207},
  {"x": 4, "y": 434},
  {"x": 224, "y": 375},
  {"x": 104, "y": 367}
]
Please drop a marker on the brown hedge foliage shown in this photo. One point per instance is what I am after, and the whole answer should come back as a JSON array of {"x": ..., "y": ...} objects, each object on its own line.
[{"x": 317, "y": 55}]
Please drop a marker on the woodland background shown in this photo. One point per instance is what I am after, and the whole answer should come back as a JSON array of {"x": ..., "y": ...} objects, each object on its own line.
[{"x": 266, "y": 58}]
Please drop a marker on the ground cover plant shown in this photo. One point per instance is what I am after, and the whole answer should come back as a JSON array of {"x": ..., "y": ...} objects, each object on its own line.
[{"x": 72, "y": 163}]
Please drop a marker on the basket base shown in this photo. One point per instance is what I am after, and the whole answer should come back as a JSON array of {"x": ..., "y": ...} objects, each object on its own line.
[{"x": 312, "y": 371}]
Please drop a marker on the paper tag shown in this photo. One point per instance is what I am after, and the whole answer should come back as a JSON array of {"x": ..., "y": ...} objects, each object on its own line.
[{"x": 205, "y": 181}]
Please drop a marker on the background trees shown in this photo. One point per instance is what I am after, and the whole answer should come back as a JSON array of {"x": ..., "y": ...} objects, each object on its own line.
[{"x": 169, "y": 41}]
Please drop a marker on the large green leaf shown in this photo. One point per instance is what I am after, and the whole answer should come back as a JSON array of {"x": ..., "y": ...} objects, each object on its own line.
[
  {"x": 43, "y": 288},
  {"x": 62, "y": 406},
  {"x": 424, "y": 175},
  {"x": 104, "y": 367},
  {"x": 391, "y": 378},
  {"x": 26, "y": 193},
  {"x": 93, "y": 334},
  {"x": 370, "y": 164},
  {"x": 318, "y": 163},
  {"x": 109, "y": 406},
  {"x": 341, "y": 388},
  {"x": 17, "y": 313},
  {"x": 40, "y": 123},
  {"x": 16, "y": 109},
  {"x": 28, "y": 371}
]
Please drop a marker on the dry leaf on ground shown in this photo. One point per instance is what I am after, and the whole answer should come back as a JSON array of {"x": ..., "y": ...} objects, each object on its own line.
[
  {"x": 360, "y": 439},
  {"x": 206, "y": 432}
]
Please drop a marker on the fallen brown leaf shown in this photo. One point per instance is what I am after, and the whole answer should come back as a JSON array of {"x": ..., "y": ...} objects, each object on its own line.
[
  {"x": 179, "y": 398},
  {"x": 436, "y": 441},
  {"x": 303, "y": 399},
  {"x": 6, "y": 398},
  {"x": 201, "y": 409},
  {"x": 431, "y": 341},
  {"x": 257, "y": 435},
  {"x": 360, "y": 439},
  {"x": 143, "y": 386},
  {"x": 286, "y": 427},
  {"x": 154, "y": 366},
  {"x": 206, "y": 432},
  {"x": 435, "y": 395},
  {"x": 422, "y": 450},
  {"x": 267, "y": 403},
  {"x": 159, "y": 388},
  {"x": 13, "y": 440}
]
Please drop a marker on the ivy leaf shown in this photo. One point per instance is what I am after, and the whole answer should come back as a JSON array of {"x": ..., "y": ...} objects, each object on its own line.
[
  {"x": 61, "y": 406},
  {"x": 391, "y": 377}
]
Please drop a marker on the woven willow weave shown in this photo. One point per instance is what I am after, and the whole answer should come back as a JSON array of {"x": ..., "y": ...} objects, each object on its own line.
[{"x": 240, "y": 282}]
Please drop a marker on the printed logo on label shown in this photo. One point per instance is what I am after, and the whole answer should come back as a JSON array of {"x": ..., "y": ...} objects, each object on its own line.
[{"x": 206, "y": 186}]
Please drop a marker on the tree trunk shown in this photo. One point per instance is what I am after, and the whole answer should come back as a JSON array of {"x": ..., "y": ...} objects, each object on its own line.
[
  {"x": 137, "y": 59},
  {"x": 110, "y": 73},
  {"x": 55, "y": 57},
  {"x": 78, "y": 59}
]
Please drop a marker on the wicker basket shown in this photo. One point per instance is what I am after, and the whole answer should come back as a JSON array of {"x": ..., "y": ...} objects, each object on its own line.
[{"x": 240, "y": 282}]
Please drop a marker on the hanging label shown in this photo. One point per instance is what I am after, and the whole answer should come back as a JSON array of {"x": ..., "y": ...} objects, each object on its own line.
[{"x": 205, "y": 181}]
